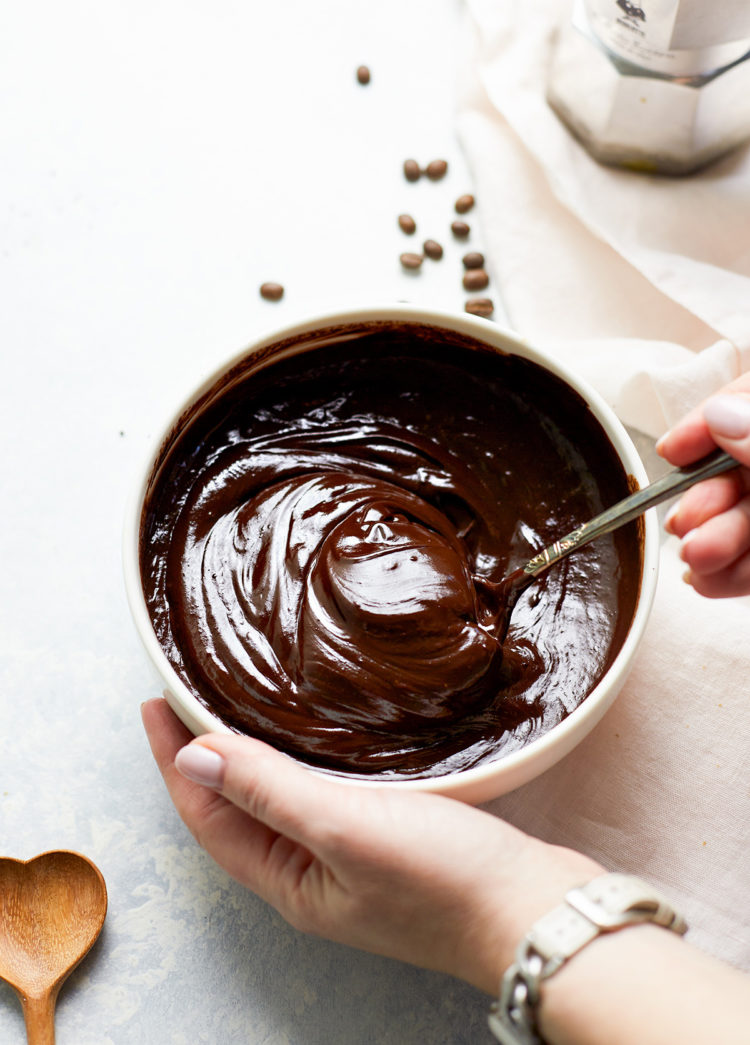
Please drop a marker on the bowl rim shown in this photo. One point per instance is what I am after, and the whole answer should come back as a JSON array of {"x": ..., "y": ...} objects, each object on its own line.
[{"x": 476, "y": 783}]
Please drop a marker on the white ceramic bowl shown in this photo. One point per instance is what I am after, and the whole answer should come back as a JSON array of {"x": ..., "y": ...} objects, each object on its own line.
[{"x": 486, "y": 781}]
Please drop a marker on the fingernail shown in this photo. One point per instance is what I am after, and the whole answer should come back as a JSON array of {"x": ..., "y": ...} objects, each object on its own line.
[
  {"x": 687, "y": 577},
  {"x": 201, "y": 765},
  {"x": 670, "y": 517},
  {"x": 728, "y": 416},
  {"x": 660, "y": 442}
]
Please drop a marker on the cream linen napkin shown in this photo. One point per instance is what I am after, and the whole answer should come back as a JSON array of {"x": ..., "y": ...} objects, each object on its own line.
[{"x": 642, "y": 285}]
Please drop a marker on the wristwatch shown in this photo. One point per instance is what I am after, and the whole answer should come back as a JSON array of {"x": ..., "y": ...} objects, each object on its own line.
[{"x": 605, "y": 904}]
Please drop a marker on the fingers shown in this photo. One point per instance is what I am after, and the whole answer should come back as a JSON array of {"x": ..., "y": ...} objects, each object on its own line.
[
  {"x": 720, "y": 542},
  {"x": 704, "y": 501},
  {"x": 272, "y": 824},
  {"x": 413, "y": 876},
  {"x": 718, "y": 553},
  {"x": 236, "y": 842},
  {"x": 166, "y": 734},
  {"x": 688, "y": 441},
  {"x": 265, "y": 788},
  {"x": 167, "y": 737},
  {"x": 713, "y": 518},
  {"x": 728, "y": 421},
  {"x": 734, "y": 581},
  {"x": 697, "y": 435},
  {"x": 272, "y": 788}
]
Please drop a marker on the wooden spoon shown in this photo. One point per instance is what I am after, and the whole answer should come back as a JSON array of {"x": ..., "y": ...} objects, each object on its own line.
[{"x": 52, "y": 909}]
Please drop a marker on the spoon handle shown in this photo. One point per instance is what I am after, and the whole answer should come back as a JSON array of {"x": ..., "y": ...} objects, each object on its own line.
[
  {"x": 630, "y": 508},
  {"x": 39, "y": 1016}
]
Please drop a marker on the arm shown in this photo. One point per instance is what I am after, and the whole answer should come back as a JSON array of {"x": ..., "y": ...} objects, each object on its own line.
[
  {"x": 645, "y": 986},
  {"x": 713, "y": 518},
  {"x": 430, "y": 881}
]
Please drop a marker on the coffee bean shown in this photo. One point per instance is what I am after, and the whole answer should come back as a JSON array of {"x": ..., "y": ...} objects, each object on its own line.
[
  {"x": 272, "y": 291},
  {"x": 460, "y": 229},
  {"x": 407, "y": 224},
  {"x": 476, "y": 279},
  {"x": 473, "y": 260},
  {"x": 464, "y": 204},
  {"x": 480, "y": 307},
  {"x": 436, "y": 169},
  {"x": 432, "y": 249},
  {"x": 412, "y": 170},
  {"x": 411, "y": 261},
  {"x": 363, "y": 75}
]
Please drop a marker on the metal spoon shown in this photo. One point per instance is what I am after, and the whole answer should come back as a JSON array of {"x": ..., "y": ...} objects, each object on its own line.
[
  {"x": 52, "y": 909},
  {"x": 624, "y": 511}
]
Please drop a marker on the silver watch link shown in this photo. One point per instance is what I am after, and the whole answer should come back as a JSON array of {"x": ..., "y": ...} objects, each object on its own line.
[{"x": 605, "y": 904}]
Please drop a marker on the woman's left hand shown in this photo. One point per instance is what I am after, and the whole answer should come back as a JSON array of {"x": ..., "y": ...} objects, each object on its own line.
[{"x": 410, "y": 875}]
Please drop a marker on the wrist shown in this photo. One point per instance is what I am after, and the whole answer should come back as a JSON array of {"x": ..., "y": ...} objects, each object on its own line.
[
  {"x": 648, "y": 986},
  {"x": 639, "y": 950},
  {"x": 530, "y": 1002},
  {"x": 541, "y": 878}
]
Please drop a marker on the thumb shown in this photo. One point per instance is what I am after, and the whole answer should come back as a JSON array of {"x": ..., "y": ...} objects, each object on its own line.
[
  {"x": 728, "y": 419},
  {"x": 271, "y": 787}
]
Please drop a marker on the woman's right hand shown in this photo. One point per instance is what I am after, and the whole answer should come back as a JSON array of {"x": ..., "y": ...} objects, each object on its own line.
[{"x": 713, "y": 518}]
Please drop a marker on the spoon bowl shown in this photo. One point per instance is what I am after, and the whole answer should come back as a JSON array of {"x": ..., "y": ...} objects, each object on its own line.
[{"x": 52, "y": 909}]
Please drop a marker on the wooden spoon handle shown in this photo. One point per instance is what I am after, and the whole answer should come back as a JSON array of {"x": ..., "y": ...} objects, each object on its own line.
[{"x": 39, "y": 1014}]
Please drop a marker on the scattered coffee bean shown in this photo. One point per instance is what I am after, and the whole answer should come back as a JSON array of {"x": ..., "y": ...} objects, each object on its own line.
[
  {"x": 272, "y": 291},
  {"x": 411, "y": 261},
  {"x": 476, "y": 279},
  {"x": 407, "y": 224},
  {"x": 436, "y": 169},
  {"x": 480, "y": 307},
  {"x": 464, "y": 204},
  {"x": 363, "y": 75},
  {"x": 460, "y": 229},
  {"x": 432, "y": 249},
  {"x": 473, "y": 260},
  {"x": 412, "y": 170}
]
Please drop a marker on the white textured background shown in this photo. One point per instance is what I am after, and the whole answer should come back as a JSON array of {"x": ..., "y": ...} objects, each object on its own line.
[{"x": 158, "y": 161}]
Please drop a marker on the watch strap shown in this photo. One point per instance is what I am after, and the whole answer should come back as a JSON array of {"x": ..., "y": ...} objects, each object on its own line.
[{"x": 605, "y": 904}]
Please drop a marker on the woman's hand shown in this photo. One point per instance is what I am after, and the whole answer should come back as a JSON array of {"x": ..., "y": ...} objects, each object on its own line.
[
  {"x": 713, "y": 518},
  {"x": 434, "y": 882},
  {"x": 409, "y": 875}
]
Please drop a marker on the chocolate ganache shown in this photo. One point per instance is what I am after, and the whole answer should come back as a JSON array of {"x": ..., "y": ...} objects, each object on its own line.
[{"x": 324, "y": 535}]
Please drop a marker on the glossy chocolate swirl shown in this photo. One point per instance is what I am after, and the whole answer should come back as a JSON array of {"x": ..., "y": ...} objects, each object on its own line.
[{"x": 323, "y": 542}]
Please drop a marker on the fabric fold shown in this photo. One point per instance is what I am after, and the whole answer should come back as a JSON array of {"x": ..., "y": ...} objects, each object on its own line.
[
  {"x": 583, "y": 253},
  {"x": 641, "y": 284}
]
